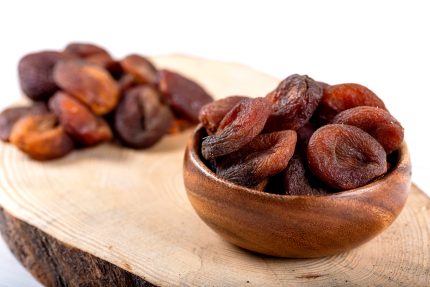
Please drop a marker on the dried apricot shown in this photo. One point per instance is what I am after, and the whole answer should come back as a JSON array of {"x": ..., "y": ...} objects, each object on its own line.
[
  {"x": 90, "y": 53},
  {"x": 345, "y": 157},
  {"x": 89, "y": 83},
  {"x": 304, "y": 134},
  {"x": 41, "y": 137},
  {"x": 341, "y": 97},
  {"x": 141, "y": 119},
  {"x": 265, "y": 156},
  {"x": 238, "y": 127},
  {"x": 35, "y": 73},
  {"x": 126, "y": 82},
  {"x": 293, "y": 103},
  {"x": 78, "y": 121},
  {"x": 211, "y": 114},
  {"x": 10, "y": 116},
  {"x": 142, "y": 70},
  {"x": 375, "y": 121},
  {"x": 298, "y": 179},
  {"x": 183, "y": 95}
]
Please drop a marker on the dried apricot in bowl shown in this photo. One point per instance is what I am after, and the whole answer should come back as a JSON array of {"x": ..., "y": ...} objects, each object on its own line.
[{"x": 294, "y": 225}]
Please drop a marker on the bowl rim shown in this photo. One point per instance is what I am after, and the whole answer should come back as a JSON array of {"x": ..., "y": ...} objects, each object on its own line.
[{"x": 403, "y": 162}]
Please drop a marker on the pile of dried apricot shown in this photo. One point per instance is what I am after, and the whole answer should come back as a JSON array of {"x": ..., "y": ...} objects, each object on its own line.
[
  {"x": 303, "y": 138},
  {"x": 82, "y": 96}
]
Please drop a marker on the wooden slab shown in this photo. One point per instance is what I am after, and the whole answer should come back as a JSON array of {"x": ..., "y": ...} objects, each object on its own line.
[{"x": 109, "y": 216}]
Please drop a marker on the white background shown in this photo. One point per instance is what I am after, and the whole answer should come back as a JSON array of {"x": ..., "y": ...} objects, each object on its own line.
[{"x": 381, "y": 44}]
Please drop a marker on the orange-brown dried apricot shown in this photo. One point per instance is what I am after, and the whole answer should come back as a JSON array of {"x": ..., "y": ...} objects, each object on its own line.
[
  {"x": 293, "y": 103},
  {"x": 265, "y": 156},
  {"x": 183, "y": 95},
  {"x": 141, "y": 119},
  {"x": 89, "y": 83},
  {"x": 345, "y": 157},
  {"x": 142, "y": 70},
  {"x": 212, "y": 114},
  {"x": 41, "y": 137},
  {"x": 78, "y": 121},
  {"x": 238, "y": 127},
  {"x": 375, "y": 121},
  {"x": 338, "y": 98},
  {"x": 35, "y": 72},
  {"x": 10, "y": 116}
]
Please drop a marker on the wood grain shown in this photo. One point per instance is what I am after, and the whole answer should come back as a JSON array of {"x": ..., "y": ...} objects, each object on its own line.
[{"x": 109, "y": 207}]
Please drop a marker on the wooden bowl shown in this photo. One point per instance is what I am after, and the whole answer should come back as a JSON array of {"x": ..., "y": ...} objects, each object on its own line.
[{"x": 294, "y": 226}]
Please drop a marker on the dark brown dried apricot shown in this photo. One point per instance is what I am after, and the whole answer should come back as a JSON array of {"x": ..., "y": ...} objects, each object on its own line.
[
  {"x": 238, "y": 127},
  {"x": 183, "y": 95},
  {"x": 90, "y": 53},
  {"x": 141, "y": 119},
  {"x": 142, "y": 70},
  {"x": 10, "y": 116},
  {"x": 345, "y": 157},
  {"x": 78, "y": 121},
  {"x": 293, "y": 103},
  {"x": 89, "y": 83},
  {"x": 375, "y": 121},
  {"x": 35, "y": 72},
  {"x": 265, "y": 156},
  {"x": 212, "y": 114},
  {"x": 338, "y": 98},
  {"x": 298, "y": 179},
  {"x": 41, "y": 137},
  {"x": 304, "y": 134},
  {"x": 126, "y": 82}
]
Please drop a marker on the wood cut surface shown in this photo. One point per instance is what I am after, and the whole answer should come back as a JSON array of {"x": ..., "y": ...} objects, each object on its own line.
[{"x": 127, "y": 211}]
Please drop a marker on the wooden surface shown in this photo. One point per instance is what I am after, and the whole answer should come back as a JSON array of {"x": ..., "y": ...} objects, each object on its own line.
[{"x": 105, "y": 207}]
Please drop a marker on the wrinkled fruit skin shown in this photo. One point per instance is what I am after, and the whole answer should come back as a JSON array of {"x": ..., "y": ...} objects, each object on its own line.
[
  {"x": 293, "y": 103},
  {"x": 140, "y": 68},
  {"x": 345, "y": 157},
  {"x": 338, "y": 98},
  {"x": 265, "y": 156},
  {"x": 238, "y": 127},
  {"x": 141, "y": 119},
  {"x": 10, "y": 116},
  {"x": 40, "y": 137},
  {"x": 212, "y": 114},
  {"x": 183, "y": 95},
  {"x": 90, "y": 53},
  {"x": 78, "y": 121},
  {"x": 377, "y": 122},
  {"x": 298, "y": 180},
  {"x": 305, "y": 133},
  {"x": 35, "y": 72},
  {"x": 89, "y": 83}
]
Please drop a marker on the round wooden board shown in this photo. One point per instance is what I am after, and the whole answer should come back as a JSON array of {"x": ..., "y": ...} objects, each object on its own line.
[{"x": 110, "y": 216}]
